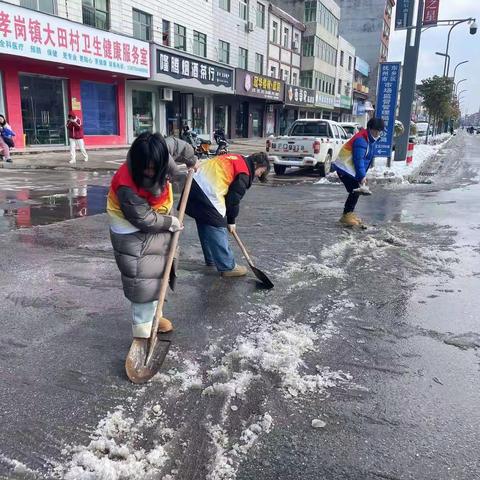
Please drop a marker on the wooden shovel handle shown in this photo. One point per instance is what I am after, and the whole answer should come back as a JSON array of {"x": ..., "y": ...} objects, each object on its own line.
[
  {"x": 242, "y": 248},
  {"x": 171, "y": 253}
]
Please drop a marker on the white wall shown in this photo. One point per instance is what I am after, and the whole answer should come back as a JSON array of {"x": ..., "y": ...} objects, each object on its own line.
[{"x": 342, "y": 72}]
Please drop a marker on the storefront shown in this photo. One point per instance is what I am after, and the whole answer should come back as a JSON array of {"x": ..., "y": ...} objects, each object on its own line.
[
  {"x": 60, "y": 66},
  {"x": 258, "y": 104},
  {"x": 2, "y": 101},
  {"x": 298, "y": 101},
  {"x": 186, "y": 87}
]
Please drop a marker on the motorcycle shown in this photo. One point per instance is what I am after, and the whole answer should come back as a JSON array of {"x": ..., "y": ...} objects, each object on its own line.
[
  {"x": 202, "y": 146},
  {"x": 222, "y": 144}
]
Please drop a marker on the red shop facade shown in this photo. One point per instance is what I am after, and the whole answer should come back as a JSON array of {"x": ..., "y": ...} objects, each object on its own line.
[{"x": 49, "y": 66}]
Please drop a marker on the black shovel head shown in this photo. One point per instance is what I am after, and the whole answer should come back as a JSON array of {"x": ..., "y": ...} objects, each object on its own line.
[
  {"x": 267, "y": 283},
  {"x": 136, "y": 368}
]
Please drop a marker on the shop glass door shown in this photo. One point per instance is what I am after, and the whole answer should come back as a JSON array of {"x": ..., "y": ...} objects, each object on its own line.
[
  {"x": 257, "y": 122},
  {"x": 142, "y": 109},
  {"x": 43, "y": 110},
  {"x": 198, "y": 114}
]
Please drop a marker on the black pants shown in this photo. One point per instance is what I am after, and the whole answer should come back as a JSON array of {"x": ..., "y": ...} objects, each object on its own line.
[{"x": 350, "y": 184}]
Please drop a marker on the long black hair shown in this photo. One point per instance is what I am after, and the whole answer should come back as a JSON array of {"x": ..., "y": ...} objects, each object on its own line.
[{"x": 149, "y": 150}]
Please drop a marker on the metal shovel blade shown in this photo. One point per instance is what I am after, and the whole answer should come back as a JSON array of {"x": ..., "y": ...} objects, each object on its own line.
[
  {"x": 138, "y": 369},
  {"x": 267, "y": 283}
]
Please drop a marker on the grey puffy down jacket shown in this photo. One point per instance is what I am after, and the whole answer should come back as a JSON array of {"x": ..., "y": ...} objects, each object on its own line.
[{"x": 141, "y": 256}]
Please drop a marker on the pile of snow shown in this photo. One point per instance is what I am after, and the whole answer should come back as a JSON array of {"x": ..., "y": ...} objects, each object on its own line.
[
  {"x": 18, "y": 468},
  {"x": 112, "y": 454},
  {"x": 227, "y": 457}
]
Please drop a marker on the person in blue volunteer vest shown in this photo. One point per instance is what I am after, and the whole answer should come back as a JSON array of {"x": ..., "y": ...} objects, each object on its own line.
[{"x": 352, "y": 164}]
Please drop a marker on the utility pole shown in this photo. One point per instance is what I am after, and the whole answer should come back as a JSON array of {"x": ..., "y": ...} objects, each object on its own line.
[{"x": 409, "y": 77}]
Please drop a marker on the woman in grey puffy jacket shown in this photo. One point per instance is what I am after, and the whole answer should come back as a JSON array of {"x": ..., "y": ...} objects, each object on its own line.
[{"x": 139, "y": 204}]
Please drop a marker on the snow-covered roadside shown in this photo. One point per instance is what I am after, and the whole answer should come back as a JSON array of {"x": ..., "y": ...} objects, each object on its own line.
[{"x": 400, "y": 172}]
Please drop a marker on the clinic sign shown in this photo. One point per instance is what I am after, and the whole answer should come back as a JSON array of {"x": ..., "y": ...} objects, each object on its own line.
[
  {"x": 254, "y": 85},
  {"x": 299, "y": 96},
  {"x": 402, "y": 14},
  {"x": 387, "y": 92},
  {"x": 27, "y": 33}
]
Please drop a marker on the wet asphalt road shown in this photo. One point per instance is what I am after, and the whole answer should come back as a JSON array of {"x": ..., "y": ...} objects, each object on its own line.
[{"x": 403, "y": 313}]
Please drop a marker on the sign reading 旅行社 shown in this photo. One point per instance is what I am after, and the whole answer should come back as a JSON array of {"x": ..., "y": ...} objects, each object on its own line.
[
  {"x": 35, "y": 35},
  {"x": 387, "y": 92}
]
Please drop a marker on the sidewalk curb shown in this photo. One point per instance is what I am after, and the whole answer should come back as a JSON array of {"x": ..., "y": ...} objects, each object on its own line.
[{"x": 17, "y": 166}]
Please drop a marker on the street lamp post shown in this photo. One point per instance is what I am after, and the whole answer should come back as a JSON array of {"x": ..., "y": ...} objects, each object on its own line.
[
  {"x": 458, "y": 83},
  {"x": 473, "y": 31},
  {"x": 455, "y": 69},
  {"x": 447, "y": 59}
]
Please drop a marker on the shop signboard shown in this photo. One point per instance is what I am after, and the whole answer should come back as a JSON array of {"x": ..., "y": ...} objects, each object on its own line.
[
  {"x": 387, "y": 92},
  {"x": 362, "y": 66},
  {"x": 27, "y": 33},
  {"x": 258, "y": 86},
  {"x": 182, "y": 67},
  {"x": 345, "y": 101},
  {"x": 299, "y": 96},
  {"x": 325, "y": 101}
]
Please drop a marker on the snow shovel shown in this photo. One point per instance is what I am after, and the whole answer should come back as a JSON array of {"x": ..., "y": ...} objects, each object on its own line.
[
  {"x": 267, "y": 283},
  {"x": 145, "y": 357}
]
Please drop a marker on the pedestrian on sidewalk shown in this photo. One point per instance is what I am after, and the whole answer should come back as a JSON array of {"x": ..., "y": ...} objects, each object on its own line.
[
  {"x": 352, "y": 164},
  {"x": 4, "y": 151},
  {"x": 214, "y": 202},
  {"x": 6, "y": 132},
  {"x": 75, "y": 137},
  {"x": 138, "y": 205}
]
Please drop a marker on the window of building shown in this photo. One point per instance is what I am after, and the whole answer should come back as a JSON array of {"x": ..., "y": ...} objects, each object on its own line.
[
  {"x": 142, "y": 25},
  {"x": 340, "y": 86},
  {"x": 328, "y": 19},
  {"x": 199, "y": 44},
  {"x": 294, "y": 78},
  {"x": 260, "y": 15},
  {"x": 308, "y": 46},
  {"x": 296, "y": 41},
  {"x": 224, "y": 5},
  {"x": 286, "y": 37},
  {"x": 166, "y": 33},
  {"x": 180, "y": 37},
  {"x": 96, "y": 13},
  {"x": 259, "y": 63},
  {"x": 350, "y": 62},
  {"x": 45, "y": 6},
  {"x": 306, "y": 79},
  {"x": 243, "y": 9},
  {"x": 243, "y": 58},
  {"x": 286, "y": 76},
  {"x": 273, "y": 71},
  {"x": 311, "y": 11},
  {"x": 342, "y": 55},
  {"x": 223, "y": 52},
  {"x": 274, "y": 38},
  {"x": 99, "y": 108}
]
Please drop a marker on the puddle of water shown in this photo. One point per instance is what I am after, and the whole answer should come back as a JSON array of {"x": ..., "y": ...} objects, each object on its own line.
[{"x": 25, "y": 208}]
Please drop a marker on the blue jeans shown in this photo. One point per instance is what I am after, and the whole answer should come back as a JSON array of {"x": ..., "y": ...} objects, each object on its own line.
[
  {"x": 142, "y": 318},
  {"x": 216, "y": 249}
]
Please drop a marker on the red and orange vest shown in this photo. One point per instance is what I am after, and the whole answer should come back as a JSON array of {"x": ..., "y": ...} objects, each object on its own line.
[{"x": 160, "y": 203}]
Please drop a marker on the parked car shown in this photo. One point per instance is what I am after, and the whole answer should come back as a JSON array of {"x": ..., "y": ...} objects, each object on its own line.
[
  {"x": 423, "y": 128},
  {"x": 308, "y": 143},
  {"x": 351, "y": 128}
]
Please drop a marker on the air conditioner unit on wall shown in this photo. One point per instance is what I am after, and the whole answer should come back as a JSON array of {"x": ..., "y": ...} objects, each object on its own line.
[
  {"x": 249, "y": 27},
  {"x": 166, "y": 94}
]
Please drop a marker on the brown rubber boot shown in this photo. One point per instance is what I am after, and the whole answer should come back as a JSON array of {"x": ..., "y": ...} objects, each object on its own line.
[
  {"x": 349, "y": 220},
  {"x": 238, "y": 271},
  {"x": 164, "y": 325}
]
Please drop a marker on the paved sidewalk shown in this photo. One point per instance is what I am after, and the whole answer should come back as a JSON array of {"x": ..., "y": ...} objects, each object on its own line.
[{"x": 99, "y": 159}]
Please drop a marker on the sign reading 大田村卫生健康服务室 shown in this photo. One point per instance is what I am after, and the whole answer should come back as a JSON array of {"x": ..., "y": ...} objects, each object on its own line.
[
  {"x": 30, "y": 34},
  {"x": 258, "y": 86}
]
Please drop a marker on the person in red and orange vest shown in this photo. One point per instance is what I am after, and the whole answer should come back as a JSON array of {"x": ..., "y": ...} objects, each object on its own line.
[
  {"x": 214, "y": 202},
  {"x": 138, "y": 205}
]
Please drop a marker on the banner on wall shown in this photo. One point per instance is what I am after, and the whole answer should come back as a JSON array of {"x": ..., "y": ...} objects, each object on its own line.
[{"x": 27, "y": 33}]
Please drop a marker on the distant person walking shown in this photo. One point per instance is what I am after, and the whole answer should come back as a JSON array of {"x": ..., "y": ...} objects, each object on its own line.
[
  {"x": 352, "y": 165},
  {"x": 6, "y": 132},
  {"x": 75, "y": 137}
]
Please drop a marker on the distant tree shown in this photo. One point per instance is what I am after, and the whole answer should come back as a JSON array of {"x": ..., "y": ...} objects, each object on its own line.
[{"x": 437, "y": 97}]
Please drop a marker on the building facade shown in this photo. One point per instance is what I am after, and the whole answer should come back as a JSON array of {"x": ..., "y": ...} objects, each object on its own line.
[
  {"x": 50, "y": 65},
  {"x": 369, "y": 32},
  {"x": 361, "y": 105},
  {"x": 344, "y": 80}
]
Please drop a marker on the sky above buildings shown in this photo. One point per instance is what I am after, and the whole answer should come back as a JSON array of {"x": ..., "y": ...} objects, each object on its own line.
[{"x": 463, "y": 46}]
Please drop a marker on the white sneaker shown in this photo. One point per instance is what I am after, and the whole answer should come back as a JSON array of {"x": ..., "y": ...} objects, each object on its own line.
[
  {"x": 363, "y": 190},
  {"x": 72, "y": 162},
  {"x": 85, "y": 159}
]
